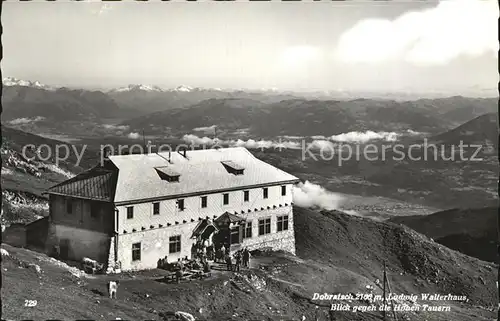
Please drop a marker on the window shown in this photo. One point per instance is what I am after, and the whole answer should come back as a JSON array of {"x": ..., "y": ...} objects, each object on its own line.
[
  {"x": 69, "y": 206},
  {"x": 180, "y": 205},
  {"x": 246, "y": 196},
  {"x": 203, "y": 201},
  {"x": 136, "y": 251},
  {"x": 156, "y": 208},
  {"x": 264, "y": 226},
  {"x": 235, "y": 235},
  {"x": 225, "y": 199},
  {"x": 247, "y": 230},
  {"x": 282, "y": 224},
  {"x": 130, "y": 212},
  {"x": 94, "y": 210},
  {"x": 283, "y": 190},
  {"x": 265, "y": 191},
  {"x": 174, "y": 244}
]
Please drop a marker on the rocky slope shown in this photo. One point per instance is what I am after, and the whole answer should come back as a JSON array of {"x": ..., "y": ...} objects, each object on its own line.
[
  {"x": 336, "y": 253},
  {"x": 470, "y": 231}
]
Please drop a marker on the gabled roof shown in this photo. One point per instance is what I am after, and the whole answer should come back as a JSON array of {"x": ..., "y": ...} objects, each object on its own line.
[
  {"x": 95, "y": 184},
  {"x": 227, "y": 218},
  {"x": 201, "y": 172},
  {"x": 202, "y": 227}
]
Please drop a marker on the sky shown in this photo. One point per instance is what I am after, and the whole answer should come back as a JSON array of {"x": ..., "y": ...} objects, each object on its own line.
[{"x": 356, "y": 46}]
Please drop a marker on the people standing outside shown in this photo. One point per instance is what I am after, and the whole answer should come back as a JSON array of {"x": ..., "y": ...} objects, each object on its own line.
[
  {"x": 223, "y": 252},
  {"x": 237, "y": 257},
  {"x": 180, "y": 270},
  {"x": 229, "y": 262},
  {"x": 246, "y": 258},
  {"x": 210, "y": 252}
]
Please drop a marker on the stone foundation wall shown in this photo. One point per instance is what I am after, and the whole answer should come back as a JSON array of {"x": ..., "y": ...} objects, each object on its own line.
[{"x": 283, "y": 240}]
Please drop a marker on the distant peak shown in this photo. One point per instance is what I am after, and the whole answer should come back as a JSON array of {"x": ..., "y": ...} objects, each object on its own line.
[
  {"x": 183, "y": 88},
  {"x": 11, "y": 81},
  {"x": 133, "y": 87}
]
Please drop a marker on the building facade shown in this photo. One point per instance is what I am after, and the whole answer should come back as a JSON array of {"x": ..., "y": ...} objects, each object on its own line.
[{"x": 137, "y": 209}]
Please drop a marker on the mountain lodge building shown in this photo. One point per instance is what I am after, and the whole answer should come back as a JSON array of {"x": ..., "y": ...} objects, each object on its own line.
[{"x": 136, "y": 209}]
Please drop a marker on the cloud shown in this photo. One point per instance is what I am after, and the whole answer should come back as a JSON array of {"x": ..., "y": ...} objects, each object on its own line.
[
  {"x": 23, "y": 121},
  {"x": 253, "y": 144},
  {"x": 115, "y": 127},
  {"x": 311, "y": 195},
  {"x": 134, "y": 136},
  {"x": 195, "y": 140},
  {"x": 209, "y": 129},
  {"x": 413, "y": 133},
  {"x": 363, "y": 137},
  {"x": 428, "y": 37},
  {"x": 250, "y": 144},
  {"x": 322, "y": 144}
]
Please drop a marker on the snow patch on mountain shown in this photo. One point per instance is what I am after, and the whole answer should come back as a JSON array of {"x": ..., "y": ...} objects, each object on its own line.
[
  {"x": 138, "y": 87},
  {"x": 183, "y": 88},
  {"x": 11, "y": 81}
]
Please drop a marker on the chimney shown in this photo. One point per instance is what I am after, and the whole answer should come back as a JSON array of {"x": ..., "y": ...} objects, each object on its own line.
[{"x": 106, "y": 151}]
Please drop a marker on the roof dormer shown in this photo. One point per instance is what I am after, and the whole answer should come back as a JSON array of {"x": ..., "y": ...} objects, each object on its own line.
[
  {"x": 167, "y": 174},
  {"x": 233, "y": 168}
]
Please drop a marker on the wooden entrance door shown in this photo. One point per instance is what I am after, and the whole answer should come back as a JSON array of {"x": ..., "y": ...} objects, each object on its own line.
[{"x": 64, "y": 248}]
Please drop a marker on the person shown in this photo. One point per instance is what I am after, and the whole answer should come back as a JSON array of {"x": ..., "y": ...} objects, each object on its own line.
[
  {"x": 246, "y": 257},
  {"x": 56, "y": 252},
  {"x": 237, "y": 256},
  {"x": 223, "y": 251},
  {"x": 112, "y": 288},
  {"x": 229, "y": 263},
  {"x": 206, "y": 267},
  {"x": 200, "y": 264},
  {"x": 210, "y": 252},
  {"x": 217, "y": 256},
  {"x": 180, "y": 270}
]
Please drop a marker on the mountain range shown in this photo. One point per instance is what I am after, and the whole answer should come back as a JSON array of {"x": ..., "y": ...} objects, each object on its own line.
[
  {"x": 29, "y": 99},
  {"x": 305, "y": 117},
  {"x": 19, "y": 101}
]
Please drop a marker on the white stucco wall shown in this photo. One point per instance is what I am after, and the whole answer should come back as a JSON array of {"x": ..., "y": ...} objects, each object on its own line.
[
  {"x": 155, "y": 239},
  {"x": 143, "y": 213},
  {"x": 155, "y": 242},
  {"x": 154, "y": 245}
]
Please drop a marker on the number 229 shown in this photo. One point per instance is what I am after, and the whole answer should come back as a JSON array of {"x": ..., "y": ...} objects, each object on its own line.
[{"x": 30, "y": 303}]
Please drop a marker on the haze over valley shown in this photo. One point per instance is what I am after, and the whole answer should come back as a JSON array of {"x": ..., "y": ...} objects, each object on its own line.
[{"x": 387, "y": 117}]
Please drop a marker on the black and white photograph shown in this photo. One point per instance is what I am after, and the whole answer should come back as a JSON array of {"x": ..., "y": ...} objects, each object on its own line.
[{"x": 250, "y": 160}]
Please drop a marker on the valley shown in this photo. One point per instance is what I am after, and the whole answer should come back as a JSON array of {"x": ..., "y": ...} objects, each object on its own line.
[{"x": 352, "y": 211}]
